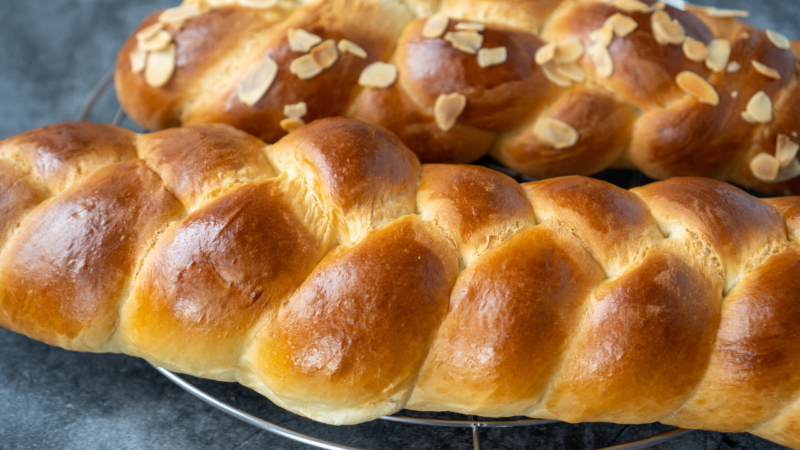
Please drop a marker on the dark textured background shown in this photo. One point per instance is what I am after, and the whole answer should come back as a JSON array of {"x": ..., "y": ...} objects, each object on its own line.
[{"x": 52, "y": 53}]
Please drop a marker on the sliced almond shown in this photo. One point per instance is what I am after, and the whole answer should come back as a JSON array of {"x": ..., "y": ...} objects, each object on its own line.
[
  {"x": 466, "y": 41},
  {"x": 778, "y": 40},
  {"x": 435, "y": 26},
  {"x": 759, "y": 109},
  {"x": 259, "y": 4},
  {"x": 693, "y": 84},
  {"x": 572, "y": 72},
  {"x": 150, "y": 31},
  {"x": 545, "y": 53},
  {"x": 295, "y": 111},
  {"x": 786, "y": 150},
  {"x": 301, "y": 40},
  {"x": 138, "y": 60},
  {"x": 257, "y": 80},
  {"x": 378, "y": 74},
  {"x": 179, "y": 14},
  {"x": 621, "y": 24},
  {"x": 695, "y": 50},
  {"x": 765, "y": 167},
  {"x": 765, "y": 70},
  {"x": 660, "y": 16},
  {"x": 657, "y": 6},
  {"x": 669, "y": 32},
  {"x": 474, "y": 26},
  {"x": 604, "y": 64},
  {"x": 550, "y": 71},
  {"x": 291, "y": 124},
  {"x": 346, "y": 46},
  {"x": 719, "y": 52},
  {"x": 159, "y": 41},
  {"x": 631, "y": 5},
  {"x": 790, "y": 172},
  {"x": 735, "y": 94},
  {"x": 717, "y": 12},
  {"x": 160, "y": 67},
  {"x": 734, "y": 67},
  {"x": 488, "y": 57},
  {"x": 305, "y": 67},
  {"x": 555, "y": 133},
  {"x": 325, "y": 54},
  {"x": 568, "y": 52},
  {"x": 447, "y": 109},
  {"x": 603, "y": 35}
]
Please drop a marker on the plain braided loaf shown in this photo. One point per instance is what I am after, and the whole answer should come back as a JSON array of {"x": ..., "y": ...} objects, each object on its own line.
[
  {"x": 547, "y": 87},
  {"x": 343, "y": 280}
]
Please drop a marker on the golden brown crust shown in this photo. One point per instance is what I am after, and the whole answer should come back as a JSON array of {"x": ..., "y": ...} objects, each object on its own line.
[
  {"x": 66, "y": 272},
  {"x": 213, "y": 276},
  {"x": 636, "y": 115},
  {"x": 351, "y": 282}
]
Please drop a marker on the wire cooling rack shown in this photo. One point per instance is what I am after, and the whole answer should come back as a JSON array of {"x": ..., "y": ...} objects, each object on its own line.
[{"x": 623, "y": 178}]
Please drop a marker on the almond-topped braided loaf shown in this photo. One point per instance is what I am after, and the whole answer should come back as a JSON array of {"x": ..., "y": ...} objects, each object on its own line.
[
  {"x": 548, "y": 87},
  {"x": 343, "y": 280}
]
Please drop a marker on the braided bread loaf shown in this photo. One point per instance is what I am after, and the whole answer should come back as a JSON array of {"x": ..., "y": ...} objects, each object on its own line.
[
  {"x": 344, "y": 281},
  {"x": 624, "y": 87}
]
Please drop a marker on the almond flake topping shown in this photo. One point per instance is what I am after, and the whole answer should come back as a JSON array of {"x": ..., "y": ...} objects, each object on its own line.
[
  {"x": 786, "y": 150},
  {"x": 545, "y": 53},
  {"x": 555, "y": 133},
  {"x": 160, "y": 67},
  {"x": 435, "y": 26},
  {"x": 765, "y": 167},
  {"x": 291, "y": 124},
  {"x": 378, "y": 74},
  {"x": 572, "y": 72},
  {"x": 325, "y": 54},
  {"x": 695, "y": 50},
  {"x": 603, "y": 35},
  {"x": 765, "y": 70},
  {"x": 257, "y": 80},
  {"x": 734, "y": 67},
  {"x": 346, "y": 46},
  {"x": 138, "y": 60},
  {"x": 621, "y": 24},
  {"x": 735, "y": 94},
  {"x": 716, "y": 12},
  {"x": 301, "y": 40},
  {"x": 474, "y": 26},
  {"x": 258, "y": 4},
  {"x": 305, "y": 67},
  {"x": 759, "y": 109},
  {"x": 159, "y": 41},
  {"x": 569, "y": 52},
  {"x": 778, "y": 40},
  {"x": 657, "y": 6},
  {"x": 488, "y": 57},
  {"x": 604, "y": 64},
  {"x": 467, "y": 41},
  {"x": 719, "y": 52},
  {"x": 550, "y": 71},
  {"x": 668, "y": 32},
  {"x": 296, "y": 110},
  {"x": 149, "y": 31},
  {"x": 447, "y": 109},
  {"x": 790, "y": 172},
  {"x": 693, "y": 84},
  {"x": 179, "y": 15},
  {"x": 631, "y": 5}
]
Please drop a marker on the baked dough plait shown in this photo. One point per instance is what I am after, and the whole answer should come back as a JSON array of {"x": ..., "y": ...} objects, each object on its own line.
[
  {"x": 546, "y": 87},
  {"x": 336, "y": 275}
]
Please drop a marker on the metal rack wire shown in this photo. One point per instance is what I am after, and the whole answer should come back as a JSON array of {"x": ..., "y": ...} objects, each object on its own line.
[{"x": 624, "y": 178}]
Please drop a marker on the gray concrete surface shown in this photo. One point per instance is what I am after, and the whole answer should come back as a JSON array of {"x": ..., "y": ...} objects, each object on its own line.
[{"x": 52, "y": 53}]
